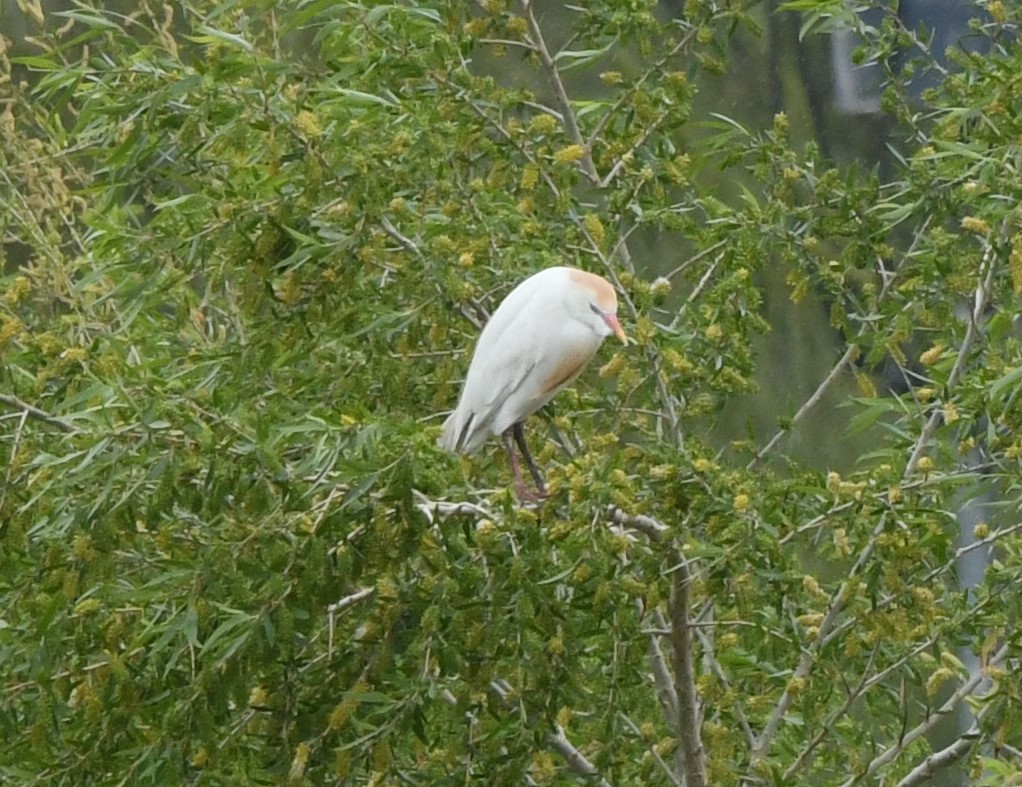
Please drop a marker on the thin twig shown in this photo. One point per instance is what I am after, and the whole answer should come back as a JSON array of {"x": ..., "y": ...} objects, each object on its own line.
[
  {"x": 443, "y": 509},
  {"x": 966, "y": 690},
  {"x": 351, "y": 600},
  {"x": 408, "y": 243},
  {"x": 717, "y": 670},
  {"x": 508, "y": 42},
  {"x": 652, "y": 749},
  {"x": 658, "y": 68},
  {"x": 577, "y": 761},
  {"x": 980, "y": 299},
  {"x": 808, "y": 657},
  {"x": 629, "y": 154},
  {"x": 32, "y": 411},
  {"x": 340, "y": 606},
  {"x": 10, "y": 462},
  {"x": 560, "y": 94},
  {"x": 695, "y": 258},
  {"x": 825, "y": 729},
  {"x": 809, "y": 404},
  {"x": 646, "y": 525}
]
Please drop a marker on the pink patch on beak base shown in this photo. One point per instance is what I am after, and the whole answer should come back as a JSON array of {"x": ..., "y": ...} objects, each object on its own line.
[{"x": 615, "y": 326}]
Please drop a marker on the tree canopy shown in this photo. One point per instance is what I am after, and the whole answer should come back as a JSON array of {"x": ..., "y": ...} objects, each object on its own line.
[{"x": 247, "y": 249}]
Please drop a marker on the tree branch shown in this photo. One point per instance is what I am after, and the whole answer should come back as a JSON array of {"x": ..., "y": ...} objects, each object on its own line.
[
  {"x": 966, "y": 690},
  {"x": 686, "y": 720},
  {"x": 406, "y": 242},
  {"x": 684, "y": 674},
  {"x": 807, "y": 405},
  {"x": 887, "y": 279},
  {"x": 443, "y": 509},
  {"x": 560, "y": 94},
  {"x": 652, "y": 749},
  {"x": 949, "y": 755},
  {"x": 10, "y": 462},
  {"x": 661, "y": 674},
  {"x": 340, "y": 606},
  {"x": 980, "y": 299},
  {"x": 806, "y": 754},
  {"x": 14, "y": 403},
  {"x": 576, "y": 761},
  {"x": 646, "y": 525}
]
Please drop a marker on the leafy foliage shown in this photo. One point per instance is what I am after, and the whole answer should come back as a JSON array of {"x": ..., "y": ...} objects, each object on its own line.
[{"x": 246, "y": 250}]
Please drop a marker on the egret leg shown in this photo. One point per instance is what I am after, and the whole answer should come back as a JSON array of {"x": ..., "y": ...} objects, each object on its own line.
[
  {"x": 520, "y": 489},
  {"x": 518, "y": 432}
]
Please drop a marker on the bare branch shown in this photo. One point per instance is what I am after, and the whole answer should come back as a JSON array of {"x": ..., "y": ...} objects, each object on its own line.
[
  {"x": 807, "y": 405},
  {"x": 716, "y": 247},
  {"x": 14, "y": 403},
  {"x": 717, "y": 670},
  {"x": 661, "y": 674},
  {"x": 980, "y": 299},
  {"x": 967, "y": 689},
  {"x": 443, "y": 509},
  {"x": 646, "y": 525},
  {"x": 351, "y": 600},
  {"x": 560, "y": 94},
  {"x": 675, "y": 780},
  {"x": 688, "y": 728},
  {"x": 949, "y": 755},
  {"x": 340, "y": 606},
  {"x": 575, "y": 759},
  {"x": 408, "y": 243}
]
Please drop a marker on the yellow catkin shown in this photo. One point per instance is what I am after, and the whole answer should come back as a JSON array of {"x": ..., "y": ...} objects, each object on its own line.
[
  {"x": 1015, "y": 263},
  {"x": 569, "y": 155}
]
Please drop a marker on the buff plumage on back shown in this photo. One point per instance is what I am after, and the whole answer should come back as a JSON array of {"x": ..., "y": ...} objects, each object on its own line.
[{"x": 528, "y": 351}]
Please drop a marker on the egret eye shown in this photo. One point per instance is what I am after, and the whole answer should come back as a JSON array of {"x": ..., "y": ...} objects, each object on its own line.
[{"x": 595, "y": 309}]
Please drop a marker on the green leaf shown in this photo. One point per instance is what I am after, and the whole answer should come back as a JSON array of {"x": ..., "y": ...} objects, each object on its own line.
[
  {"x": 212, "y": 35},
  {"x": 89, "y": 20},
  {"x": 582, "y": 57},
  {"x": 360, "y": 98},
  {"x": 1010, "y": 380}
]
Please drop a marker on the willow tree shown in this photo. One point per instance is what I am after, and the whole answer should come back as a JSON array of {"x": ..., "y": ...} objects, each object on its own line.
[{"x": 248, "y": 248}]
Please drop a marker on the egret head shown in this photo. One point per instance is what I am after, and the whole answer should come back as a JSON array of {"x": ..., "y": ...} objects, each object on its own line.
[{"x": 594, "y": 302}]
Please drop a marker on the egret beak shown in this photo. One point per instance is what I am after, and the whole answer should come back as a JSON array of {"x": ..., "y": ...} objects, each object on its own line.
[{"x": 615, "y": 326}]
